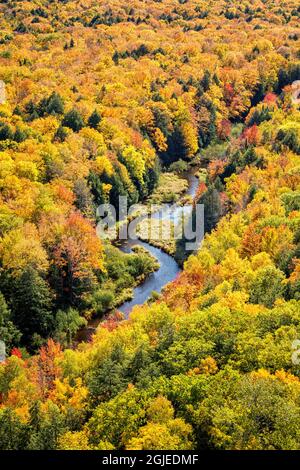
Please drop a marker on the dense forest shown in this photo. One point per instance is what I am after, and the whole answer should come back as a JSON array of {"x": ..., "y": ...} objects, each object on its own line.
[{"x": 104, "y": 99}]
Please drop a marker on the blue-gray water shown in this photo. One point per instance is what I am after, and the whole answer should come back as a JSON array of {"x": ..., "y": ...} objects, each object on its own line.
[{"x": 156, "y": 281}]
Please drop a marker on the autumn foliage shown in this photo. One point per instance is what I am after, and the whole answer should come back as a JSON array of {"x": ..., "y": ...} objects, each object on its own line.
[{"x": 100, "y": 98}]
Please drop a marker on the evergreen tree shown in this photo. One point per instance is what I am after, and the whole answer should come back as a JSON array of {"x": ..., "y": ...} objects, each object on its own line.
[
  {"x": 94, "y": 119},
  {"x": 73, "y": 120},
  {"x": 47, "y": 430},
  {"x": 61, "y": 134},
  {"x": 212, "y": 208},
  {"x": 32, "y": 305},
  {"x": 32, "y": 110},
  {"x": 206, "y": 81},
  {"x": 109, "y": 378},
  {"x": 17, "y": 111},
  {"x": 96, "y": 188},
  {"x": 9, "y": 334},
  {"x": 117, "y": 190},
  {"x": 6, "y": 132},
  {"x": 176, "y": 148},
  {"x": 67, "y": 323},
  {"x": 19, "y": 135},
  {"x": 152, "y": 177},
  {"x": 13, "y": 434},
  {"x": 55, "y": 104},
  {"x": 207, "y": 122}
]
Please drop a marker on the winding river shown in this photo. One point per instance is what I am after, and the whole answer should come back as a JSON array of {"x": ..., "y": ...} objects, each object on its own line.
[{"x": 168, "y": 270}]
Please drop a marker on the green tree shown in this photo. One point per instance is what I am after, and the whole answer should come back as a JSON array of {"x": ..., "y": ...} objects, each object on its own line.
[
  {"x": 109, "y": 377},
  {"x": 13, "y": 435},
  {"x": 267, "y": 286},
  {"x": 73, "y": 120},
  {"x": 206, "y": 122},
  {"x": 20, "y": 135},
  {"x": 8, "y": 332},
  {"x": 55, "y": 104},
  {"x": 67, "y": 324},
  {"x": 255, "y": 412},
  {"x": 6, "y": 132},
  {"x": 118, "y": 420},
  {"x": 32, "y": 305},
  {"x": 212, "y": 208},
  {"x": 46, "y": 429},
  {"x": 94, "y": 119},
  {"x": 61, "y": 134}
]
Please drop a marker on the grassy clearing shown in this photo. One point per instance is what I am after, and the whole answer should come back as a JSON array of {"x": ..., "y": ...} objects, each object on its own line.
[
  {"x": 159, "y": 233},
  {"x": 169, "y": 190}
]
